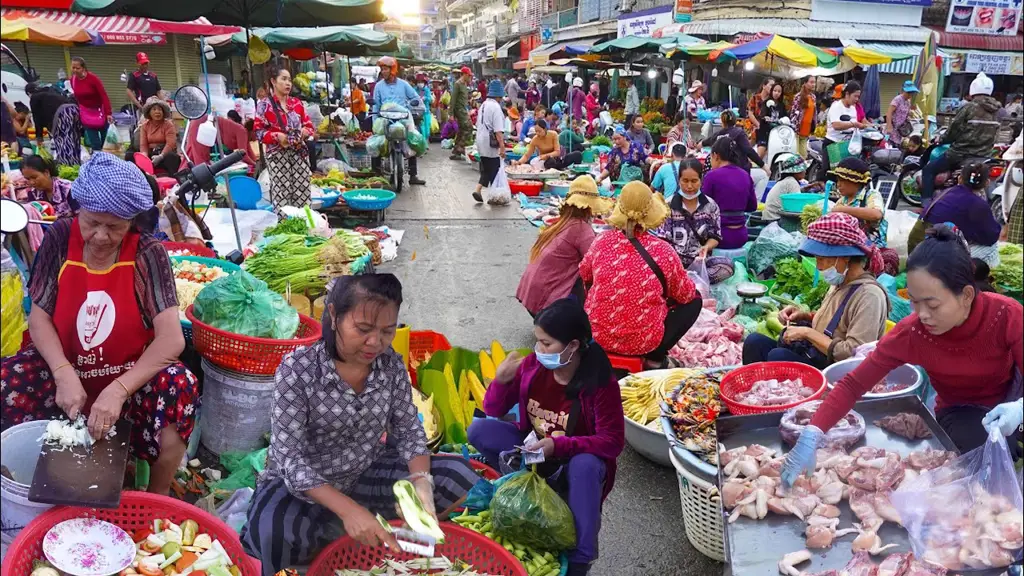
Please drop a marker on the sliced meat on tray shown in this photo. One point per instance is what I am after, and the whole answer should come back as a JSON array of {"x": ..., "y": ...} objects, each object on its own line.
[
  {"x": 908, "y": 425},
  {"x": 929, "y": 459},
  {"x": 848, "y": 431}
]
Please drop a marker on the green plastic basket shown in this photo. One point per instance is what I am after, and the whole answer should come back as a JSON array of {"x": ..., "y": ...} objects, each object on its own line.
[
  {"x": 837, "y": 151},
  {"x": 589, "y": 156}
]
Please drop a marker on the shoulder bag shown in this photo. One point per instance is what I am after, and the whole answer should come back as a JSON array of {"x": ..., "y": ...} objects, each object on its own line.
[{"x": 656, "y": 269}]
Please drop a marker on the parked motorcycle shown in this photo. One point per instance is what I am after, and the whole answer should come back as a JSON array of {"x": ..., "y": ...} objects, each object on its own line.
[{"x": 782, "y": 139}]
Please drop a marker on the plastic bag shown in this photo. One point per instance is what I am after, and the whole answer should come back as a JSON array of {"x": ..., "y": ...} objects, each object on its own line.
[
  {"x": 499, "y": 191},
  {"x": 380, "y": 126},
  {"x": 353, "y": 125},
  {"x": 527, "y": 511},
  {"x": 630, "y": 173},
  {"x": 12, "y": 312},
  {"x": 377, "y": 145},
  {"x": 243, "y": 469},
  {"x": 900, "y": 223},
  {"x": 234, "y": 510},
  {"x": 950, "y": 512},
  {"x": 434, "y": 126},
  {"x": 112, "y": 138},
  {"x": 243, "y": 304},
  {"x": 772, "y": 245},
  {"x": 480, "y": 495},
  {"x": 417, "y": 142},
  {"x": 698, "y": 272},
  {"x": 856, "y": 143}
]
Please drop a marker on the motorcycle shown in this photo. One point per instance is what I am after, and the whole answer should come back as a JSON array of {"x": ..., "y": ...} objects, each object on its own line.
[
  {"x": 396, "y": 133},
  {"x": 782, "y": 138},
  {"x": 1007, "y": 187}
]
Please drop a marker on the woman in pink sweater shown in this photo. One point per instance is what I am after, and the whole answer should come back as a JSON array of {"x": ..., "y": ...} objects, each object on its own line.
[{"x": 93, "y": 103}]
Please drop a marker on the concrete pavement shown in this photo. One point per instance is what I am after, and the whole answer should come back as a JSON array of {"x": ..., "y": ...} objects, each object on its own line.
[{"x": 460, "y": 264}]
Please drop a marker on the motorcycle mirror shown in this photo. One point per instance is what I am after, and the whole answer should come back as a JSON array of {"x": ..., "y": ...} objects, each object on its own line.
[
  {"x": 13, "y": 216},
  {"x": 191, "y": 102},
  {"x": 844, "y": 118}
]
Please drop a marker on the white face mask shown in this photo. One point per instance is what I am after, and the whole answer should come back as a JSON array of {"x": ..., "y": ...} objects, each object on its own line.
[
  {"x": 693, "y": 196},
  {"x": 833, "y": 276}
]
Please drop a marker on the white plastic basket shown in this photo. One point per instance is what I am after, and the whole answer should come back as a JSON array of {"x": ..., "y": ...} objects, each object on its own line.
[{"x": 702, "y": 516}]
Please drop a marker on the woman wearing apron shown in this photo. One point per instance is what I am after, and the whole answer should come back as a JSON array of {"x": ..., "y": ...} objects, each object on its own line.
[
  {"x": 853, "y": 312},
  {"x": 104, "y": 325},
  {"x": 970, "y": 343}
]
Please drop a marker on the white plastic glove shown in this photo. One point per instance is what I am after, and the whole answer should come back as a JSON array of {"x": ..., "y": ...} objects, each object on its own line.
[
  {"x": 801, "y": 459},
  {"x": 1006, "y": 417},
  {"x": 425, "y": 491}
]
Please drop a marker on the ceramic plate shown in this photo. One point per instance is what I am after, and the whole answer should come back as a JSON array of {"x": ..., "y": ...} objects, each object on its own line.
[{"x": 88, "y": 547}]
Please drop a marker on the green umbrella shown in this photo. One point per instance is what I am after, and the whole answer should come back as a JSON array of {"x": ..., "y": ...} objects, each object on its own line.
[
  {"x": 642, "y": 44},
  {"x": 247, "y": 13},
  {"x": 348, "y": 40},
  {"x": 826, "y": 58}
]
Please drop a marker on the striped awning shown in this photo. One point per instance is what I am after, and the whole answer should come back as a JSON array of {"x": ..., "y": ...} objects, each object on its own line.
[
  {"x": 905, "y": 66},
  {"x": 132, "y": 30}
]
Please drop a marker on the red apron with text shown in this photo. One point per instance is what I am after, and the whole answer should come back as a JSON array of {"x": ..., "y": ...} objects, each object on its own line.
[{"x": 97, "y": 316}]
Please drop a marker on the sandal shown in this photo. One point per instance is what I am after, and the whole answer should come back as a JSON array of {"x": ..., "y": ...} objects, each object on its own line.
[{"x": 478, "y": 197}]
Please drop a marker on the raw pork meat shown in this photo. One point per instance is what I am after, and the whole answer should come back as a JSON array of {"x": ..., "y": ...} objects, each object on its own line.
[
  {"x": 908, "y": 425},
  {"x": 929, "y": 459},
  {"x": 860, "y": 565},
  {"x": 712, "y": 342},
  {"x": 847, "y": 432},
  {"x": 918, "y": 568},
  {"x": 775, "y": 393}
]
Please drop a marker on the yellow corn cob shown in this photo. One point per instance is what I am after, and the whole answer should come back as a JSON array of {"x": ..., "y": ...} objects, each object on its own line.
[{"x": 476, "y": 389}]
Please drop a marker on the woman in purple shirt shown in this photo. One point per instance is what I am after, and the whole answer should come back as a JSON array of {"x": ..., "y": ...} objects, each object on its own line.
[
  {"x": 732, "y": 189},
  {"x": 964, "y": 205}
]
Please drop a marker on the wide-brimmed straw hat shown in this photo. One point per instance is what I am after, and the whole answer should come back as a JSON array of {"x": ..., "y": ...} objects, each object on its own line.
[
  {"x": 637, "y": 203},
  {"x": 853, "y": 169},
  {"x": 583, "y": 194},
  {"x": 156, "y": 101}
]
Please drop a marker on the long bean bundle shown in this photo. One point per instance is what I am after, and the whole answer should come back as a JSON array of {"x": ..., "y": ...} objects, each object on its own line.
[{"x": 305, "y": 263}]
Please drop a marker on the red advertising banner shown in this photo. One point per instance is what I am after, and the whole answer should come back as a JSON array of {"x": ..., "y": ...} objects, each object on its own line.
[
  {"x": 40, "y": 4},
  {"x": 133, "y": 38}
]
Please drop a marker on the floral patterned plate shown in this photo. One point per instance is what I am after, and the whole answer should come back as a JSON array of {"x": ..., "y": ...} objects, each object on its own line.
[{"x": 88, "y": 547}]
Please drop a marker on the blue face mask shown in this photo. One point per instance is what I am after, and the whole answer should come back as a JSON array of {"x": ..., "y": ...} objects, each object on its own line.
[
  {"x": 833, "y": 276},
  {"x": 551, "y": 361}
]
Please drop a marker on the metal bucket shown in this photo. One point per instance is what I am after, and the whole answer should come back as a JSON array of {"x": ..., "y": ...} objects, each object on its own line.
[
  {"x": 905, "y": 374},
  {"x": 236, "y": 409}
]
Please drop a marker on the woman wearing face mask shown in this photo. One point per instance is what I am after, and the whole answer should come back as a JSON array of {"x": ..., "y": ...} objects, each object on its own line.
[
  {"x": 970, "y": 343},
  {"x": 567, "y": 395},
  {"x": 853, "y": 312},
  {"x": 694, "y": 227},
  {"x": 330, "y": 469}
]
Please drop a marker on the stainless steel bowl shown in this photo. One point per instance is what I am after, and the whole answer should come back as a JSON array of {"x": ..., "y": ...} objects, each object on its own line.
[{"x": 904, "y": 374}]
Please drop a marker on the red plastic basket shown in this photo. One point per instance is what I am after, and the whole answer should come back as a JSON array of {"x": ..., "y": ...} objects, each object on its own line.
[
  {"x": 245, "y": 354},
  {"x": 423, "y": 343},
  {"x": 486, "y": 472},
  {"x": 527, "y": 187},
  {"x": 194, "y": 249},
  {"x": 482, "y": 553},
  {"x": 743, "y": 379},
  {"x": 137, "y": 511}
]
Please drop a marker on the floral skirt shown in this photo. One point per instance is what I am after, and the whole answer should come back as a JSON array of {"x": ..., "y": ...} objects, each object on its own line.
[
  {"x": 28, "y": 393},
  {"x": 289, "y": 177}
]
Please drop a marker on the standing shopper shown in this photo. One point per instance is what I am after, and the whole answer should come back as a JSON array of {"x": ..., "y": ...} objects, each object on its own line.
[
  {"x": 460, "y": 111},
  {"x": 632, "y": 107},
  {"x": 93, "y": 103},
  {"x": 281, "y": 124},
  {"x": 802, "y": 113},
  {"x": 512, "y": 90},
  {"x": 490, "y": 138},
  {"x": 897, "y": 119},
  {"x": 840, "y": 130},
  {"x": 330, "y": 470},
  {"x": 44, "y": 103},
  {"x": 143, "y": 83},
  {"x": 66, "y": 136},
  {"x": 694, "y": 100}
]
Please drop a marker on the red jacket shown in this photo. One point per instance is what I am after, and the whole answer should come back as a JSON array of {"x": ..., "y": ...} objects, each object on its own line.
[
  {"x": 233, "y": 135},
  {"x": 89, "y": 92},
  {"x": 600, "y": 429}
]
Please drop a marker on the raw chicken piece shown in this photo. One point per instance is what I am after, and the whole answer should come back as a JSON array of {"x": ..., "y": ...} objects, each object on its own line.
[
  {"x": 891, "y": 474},
  {"x": 744, "y": 465},
  {"x": 827, "y": 510},
  {"x": 774, "y": 393},
  {"x": 895, "y": 565},
  {"x": 849, "y": 430},
  {"x": 864, "y": 478},
  {"x": 884, "y": 508},
  {"x": 868, "y": 452},
  {"x": 906, "y": 424},
  {"x": 727, "y": 456},
  {"x": 760, "y": 453},
  {"x": 860, "y": 565},
  {"x": 772, "y": 468},
  {"x": 863, "y": 505},
  {"x": 828, "y": 457},
  {"x": 868, "y": 541},
  {"x": 832, "y": 492},
  {"x": 733, "y": 491},
  {"x": 787, "y": 566},
  {"x": 928, "y": 459},
  {"x": 821, "y": 531}
]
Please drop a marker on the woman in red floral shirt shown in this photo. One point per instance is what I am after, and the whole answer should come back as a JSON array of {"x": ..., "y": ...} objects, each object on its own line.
[
  {"x": 283, "y": 127},
  {"x": 641, "y": 301}
]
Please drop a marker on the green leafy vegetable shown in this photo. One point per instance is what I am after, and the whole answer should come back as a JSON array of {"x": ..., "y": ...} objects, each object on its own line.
[
  {"x": 287, "y": 226},
  {"x": 809, "y": 214},
  {"x": 1010, "y": 272},
  {"x": 67, "y": 172},
  {"x": 601, "y": 141},
  {"x": 793, "y": 279}
]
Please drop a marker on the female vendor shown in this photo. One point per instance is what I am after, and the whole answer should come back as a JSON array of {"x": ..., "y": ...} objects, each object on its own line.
[
  {"x": 624, "y": 152},
  {"x": 731, "y": 187},
  {"x": 41, "y": 174},
  {"x": 566, "y": 395},
  {"x": 694, "y": 226},
  {"x": 344, "y": 429},
  {"x": 853, "y": 312},
  {"x": 104, "y": 325},
  {"x": 970, "y": 343}
]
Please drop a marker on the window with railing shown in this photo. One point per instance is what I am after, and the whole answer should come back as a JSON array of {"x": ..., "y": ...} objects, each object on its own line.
[{"x": 568, "y": 18}]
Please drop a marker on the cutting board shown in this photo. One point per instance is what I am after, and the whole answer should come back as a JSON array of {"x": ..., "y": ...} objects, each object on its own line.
[{"x": 83, "y": 476}]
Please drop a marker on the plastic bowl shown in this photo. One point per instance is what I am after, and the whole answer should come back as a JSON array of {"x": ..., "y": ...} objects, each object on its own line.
[
  {"x": 904, "y": 374},
  {"x": 361, "y": 199},
  {"x": 651, "y": 444},
  {"x": 526, "y": 187},
  {"x": 329, "y": 197},
  {"x": 796, "y": 202},
  {"x": 558, "y": 189}
]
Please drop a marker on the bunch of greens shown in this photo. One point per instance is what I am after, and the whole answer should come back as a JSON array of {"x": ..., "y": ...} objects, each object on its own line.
[
  {"x": 287, "y": 226},
  {"x": 792, "y": 278},
  {"x": 67, "y": 172},
  {"x": 810, "y": 213},
  {"x": 601, "y": 141},
  {"x": 1010, "y": 272}
]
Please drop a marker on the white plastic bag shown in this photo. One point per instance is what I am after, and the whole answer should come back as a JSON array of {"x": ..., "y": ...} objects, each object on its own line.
[
  {"x": 901, "y": 222},
  {"x": 498, "y": 192},
  {"x": 856, "y": 143},
  {"x": 698, "y": 272}
]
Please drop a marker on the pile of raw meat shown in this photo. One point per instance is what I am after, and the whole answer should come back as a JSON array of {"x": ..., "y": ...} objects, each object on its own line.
[
  {"x": 775, "y": 393},
  {"x": 906, "y": 424},
  {"x": 712, "y": 342},
  {"x": 847, "y": 432},
  {"x": 862, "y": 565}
]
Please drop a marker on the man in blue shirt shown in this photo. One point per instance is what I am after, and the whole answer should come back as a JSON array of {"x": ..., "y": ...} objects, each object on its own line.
[
  {"x": 391, "y": 88},
  {"x": 666, "y": 179}
]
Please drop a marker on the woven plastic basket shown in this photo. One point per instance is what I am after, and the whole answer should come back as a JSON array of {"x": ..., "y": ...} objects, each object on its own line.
[
  {"x": 743, "y": 379},
  {"x": 258, "y": 356},
  {"x": 459, "y": 543},
  {"x": 702, "y": 517},
  {"x": 137, "y": 511},
  {"x": 361, "y": 199}
]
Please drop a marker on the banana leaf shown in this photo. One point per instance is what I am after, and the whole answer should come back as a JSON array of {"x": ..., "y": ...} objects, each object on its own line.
[
  {"x": 458, "y": 358},
  {"x": 433, "y": 382}
]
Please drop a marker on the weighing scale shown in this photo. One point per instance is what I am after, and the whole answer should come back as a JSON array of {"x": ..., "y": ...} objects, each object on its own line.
[{"x": 750, "y": 292}]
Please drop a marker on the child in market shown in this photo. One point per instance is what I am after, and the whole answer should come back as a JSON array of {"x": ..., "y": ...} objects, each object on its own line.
[{"x": 568, "y": 397}]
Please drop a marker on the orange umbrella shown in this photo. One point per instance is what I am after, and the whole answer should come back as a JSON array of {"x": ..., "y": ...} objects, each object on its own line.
[{"x": 20, "y": 26}]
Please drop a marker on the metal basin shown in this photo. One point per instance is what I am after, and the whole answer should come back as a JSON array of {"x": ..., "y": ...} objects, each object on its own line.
[
  {"x": 904, "y": 374},
  {"x": 651, "y": 444}
]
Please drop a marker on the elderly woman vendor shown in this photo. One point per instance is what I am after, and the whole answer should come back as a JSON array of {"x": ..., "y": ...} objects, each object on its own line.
[
  {"x": 344, "y": 429},
  {"x": 104, "y": 325}
]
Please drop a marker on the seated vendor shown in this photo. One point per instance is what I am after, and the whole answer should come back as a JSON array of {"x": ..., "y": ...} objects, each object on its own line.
[
  {"x": 731, "y": 187},
  {"x": 694, "y": 227},
  {"x": 344, "y": 429},
  {"x": 792, "y": 168},
  {"x": 866, "y": 204},
  {"x": 853, "y": 312},
  {"x": 554, "y": 269},
  {"x": 624, "y": 153},
  {"x": 544, "y": 144},
  {"x": 104, "y": 324},
  {"x": 965, "y": 206},
  {"x": 666, "y": 176},
  {"x": 232, "y": 136},
  {"x": 567, "y": 395},
  {"x": 41, "y": 175},
  {"x": 158, "y": 136},
  {"x": 640, "y": 300}
]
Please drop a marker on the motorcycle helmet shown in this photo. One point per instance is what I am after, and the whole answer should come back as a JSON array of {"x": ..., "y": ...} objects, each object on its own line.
[{"x": 982, "y": 84}]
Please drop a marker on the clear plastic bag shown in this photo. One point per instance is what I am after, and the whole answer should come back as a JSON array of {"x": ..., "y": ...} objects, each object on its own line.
[
  {"x": 966, "y": 514},
  {"x": 377, "y": 145},
  {"x": 856, "y": 143},
  {"x": 499, "y": 191},
  {"x": 527, "y": 511},
  {"x": 772, "y": 245},
  {"x": 698, "y": 272}
]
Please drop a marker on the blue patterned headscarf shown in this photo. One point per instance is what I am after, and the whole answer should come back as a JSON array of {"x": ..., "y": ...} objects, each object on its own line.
[{"x": 110, "y": 185}]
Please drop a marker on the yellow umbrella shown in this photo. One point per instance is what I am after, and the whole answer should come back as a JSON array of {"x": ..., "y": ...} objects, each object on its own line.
[
  {"x": 42, "y": 31},
  {"x": 866, "y": 57},
  {"x": 14, "y": 31}
]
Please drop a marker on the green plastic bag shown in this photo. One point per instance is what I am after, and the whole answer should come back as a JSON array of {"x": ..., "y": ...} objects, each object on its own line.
[
  {"x": 243, "y": 469},
  {"x": 243, "y": 304},
  {"x": 527, "y": 511},
  {"x": 417, "y": 142}
]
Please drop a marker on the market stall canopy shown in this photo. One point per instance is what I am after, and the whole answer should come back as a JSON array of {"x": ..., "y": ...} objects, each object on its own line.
[
  {"x": 642, "y": 43},
  {"x": 127, "y": 29},
  {"x": 293, "y": 13},
  {"x": 773, "y": 44},
  {"x": 866, "y": 57},
  {"x": 18, "y": 25},
  {"x": 349, "y": 40},
  {"x": 545, "y": 52},
  {"x": 676, "y": 51}
]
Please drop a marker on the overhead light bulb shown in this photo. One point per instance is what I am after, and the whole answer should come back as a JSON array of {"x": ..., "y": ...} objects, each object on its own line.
[
  {"x": 748, "y": 65},
  {"x": 652, "y": 73},
  {"x": 714, "y": 72}
]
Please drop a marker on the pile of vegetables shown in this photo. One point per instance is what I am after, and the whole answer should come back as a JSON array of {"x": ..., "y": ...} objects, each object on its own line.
[
  {"x": 305, "y": 262},
  {"x": 189, "y": 280},
  {"x": 457, "y": 381},
  {"x": 642, "y": 394},
  {"x": 329, "y": 180},
  {"x": 1009, "y": 274},
  {"x": 415, "y": 567},
  {"x": 650, "y": 104},
  {"x": 288, "y": 226},
  {"x": 601, "y": 140},
  {"x": 67, "y": 172},
  {"x": 792, "y": 279},
  {"x": 537, "y": 563},
  {"x": 181, "y": 549},
  {"x": 810, "y": 213}
]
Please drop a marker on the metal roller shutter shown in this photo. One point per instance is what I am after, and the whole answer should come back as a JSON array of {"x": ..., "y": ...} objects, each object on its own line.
[
  {"x": 890, "y": 86},
  {"x": 47, "y": 60}
]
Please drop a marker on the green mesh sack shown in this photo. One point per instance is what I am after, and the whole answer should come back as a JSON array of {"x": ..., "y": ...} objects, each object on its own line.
[
  {"x": 527, "y": 511},
  {"x": 243, "y": 304},
  {"x": 630, "y": 173}
]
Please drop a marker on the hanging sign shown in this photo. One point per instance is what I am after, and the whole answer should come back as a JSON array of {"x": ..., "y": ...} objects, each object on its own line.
[
  {"x": 645, "y": 22},
  {"x": 682, "y": 11},
  {"x": 995, "y": 17},
  {"x": 133, "y": 38}
]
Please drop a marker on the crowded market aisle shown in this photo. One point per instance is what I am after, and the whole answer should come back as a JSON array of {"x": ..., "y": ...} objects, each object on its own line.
[{"x": 462, "y": 283}]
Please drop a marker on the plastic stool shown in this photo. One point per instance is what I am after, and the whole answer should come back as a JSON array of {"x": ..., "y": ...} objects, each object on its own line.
[
  {"x": 630, "y": 364},
  {"x": 245, "y": 191}
]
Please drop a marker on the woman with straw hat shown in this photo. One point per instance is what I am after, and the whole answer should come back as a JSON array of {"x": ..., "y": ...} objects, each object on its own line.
[
  {"x": 553, "y": 271},
  {"x": 641, "y": 301},
  {"x": 158, "y": 136},
  {"x": 865, "y": 204}
]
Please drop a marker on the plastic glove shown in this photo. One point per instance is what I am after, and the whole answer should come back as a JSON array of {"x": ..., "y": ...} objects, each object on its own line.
[
  {"x": 801, "y": 459},
  {"x": 1006, "y": 417}
]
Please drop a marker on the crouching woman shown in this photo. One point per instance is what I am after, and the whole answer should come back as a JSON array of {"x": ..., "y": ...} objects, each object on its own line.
[
  {"x": 567, "y": 395},
  {"x": 344, "y": 429}
]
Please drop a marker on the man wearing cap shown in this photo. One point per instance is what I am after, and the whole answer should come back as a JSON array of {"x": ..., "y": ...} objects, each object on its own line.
[
  {"x": 972, "y": 134},
  {"x": 459, "y": 109},
  {"x": 897, "y": 119},
  {"x": 142, "y": 83},
  {"x": 695, "y": 99},
  {"x": 392, "y": 89}
]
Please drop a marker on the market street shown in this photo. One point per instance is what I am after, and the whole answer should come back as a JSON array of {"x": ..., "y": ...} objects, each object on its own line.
[{"x": 462, "y": 283}]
